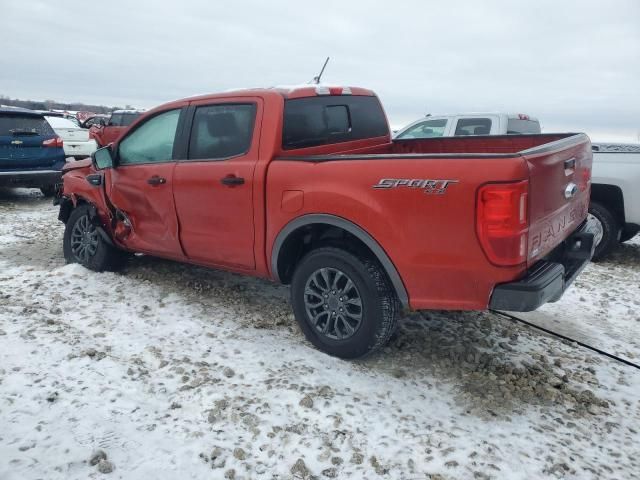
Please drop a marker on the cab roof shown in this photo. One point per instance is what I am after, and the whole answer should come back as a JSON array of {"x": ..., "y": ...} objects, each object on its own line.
[{"x": 287, "y": 91}]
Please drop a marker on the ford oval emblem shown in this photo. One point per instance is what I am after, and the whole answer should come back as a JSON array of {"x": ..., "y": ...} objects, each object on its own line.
[{"x": 570, "y": 191}]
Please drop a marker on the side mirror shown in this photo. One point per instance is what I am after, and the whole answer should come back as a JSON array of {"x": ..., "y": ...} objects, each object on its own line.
[
  {"x": 102, "y": 158},
  {"x": 101, "y": 122}
]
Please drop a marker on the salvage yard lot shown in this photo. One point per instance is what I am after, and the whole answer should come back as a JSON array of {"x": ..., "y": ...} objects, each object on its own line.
[{"x": 181, "y": 372}]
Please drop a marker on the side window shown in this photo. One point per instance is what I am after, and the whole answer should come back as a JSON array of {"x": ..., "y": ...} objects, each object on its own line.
[
  {"x": 152, "y": 142},
  {"x": 473, "y": 126},
  {"x": 127, "y": 119},
  {"x": 115, "y": 120},
  {"x": 427, "y": 129},
  {"x": 221, "y": 131}
]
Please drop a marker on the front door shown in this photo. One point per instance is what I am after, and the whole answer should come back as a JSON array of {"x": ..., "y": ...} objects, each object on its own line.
[
  {"x": 213, "y": 185},
  {"x": 140, "y": 186}
]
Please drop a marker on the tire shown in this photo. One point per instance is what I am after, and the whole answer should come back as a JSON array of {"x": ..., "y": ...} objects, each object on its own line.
[
  {"x": 96, "y": 253},
  {"x": 48, "y": 191},
  {"x": 628, "y": 233},
  {"x": 611, "y": 230},
  {"x": 357, "y": 331}
]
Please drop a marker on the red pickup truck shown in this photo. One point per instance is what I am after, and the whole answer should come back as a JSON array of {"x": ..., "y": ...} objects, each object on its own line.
[
  {"x": 105, "y": 132},
  {"x": 305, "y": 186}
]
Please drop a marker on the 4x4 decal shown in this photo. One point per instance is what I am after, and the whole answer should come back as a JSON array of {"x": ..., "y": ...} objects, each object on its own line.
[{"x": 430, "y": 187}]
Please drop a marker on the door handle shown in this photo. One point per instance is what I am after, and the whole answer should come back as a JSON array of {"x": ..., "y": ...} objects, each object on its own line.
[
  {"x": 156, "y": 180},
  {"x": 569, "y": 166},
  {"x": 232, "y": 181}
]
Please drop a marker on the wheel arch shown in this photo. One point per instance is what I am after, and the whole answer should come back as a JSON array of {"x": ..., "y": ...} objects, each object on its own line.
[
  {"x": 609, "y": 196},
  {"x": 70, "y": 203},
  {"x": 281, "y": 261}
]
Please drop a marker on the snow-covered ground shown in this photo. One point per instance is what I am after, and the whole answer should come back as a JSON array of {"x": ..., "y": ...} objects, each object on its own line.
[
  {"x": 176, "y": 371},
  {"x": 602, "y": 308}
]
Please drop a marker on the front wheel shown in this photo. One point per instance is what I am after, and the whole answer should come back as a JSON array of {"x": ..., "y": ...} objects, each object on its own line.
[
  {"x": 83, "y": 244},
  {"x": 343, "y": 302}
]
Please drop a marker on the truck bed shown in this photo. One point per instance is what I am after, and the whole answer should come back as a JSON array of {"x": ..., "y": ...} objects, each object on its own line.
[
  {"x": 437, "y": 233},
  {"x": 475, "y": 146}
]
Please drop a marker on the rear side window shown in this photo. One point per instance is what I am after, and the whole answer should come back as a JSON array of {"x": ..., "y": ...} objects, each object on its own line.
[
  {"x": 473, "y": 126},
  {"x": 122, "y": 119},
  {"x": 16, "y": 125},
  {"x": 515, "y": 125},
  {"x": 309, "y": 122},
  {"x": 427, "y": 129},
  {"x": 221, "y": 131}
]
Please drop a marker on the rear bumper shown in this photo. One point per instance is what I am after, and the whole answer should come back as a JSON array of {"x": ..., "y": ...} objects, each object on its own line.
[
  {"x": 30, "y": 178},
  {"x": 80, "y": 149},
  {"x": 548, "y": 279}
]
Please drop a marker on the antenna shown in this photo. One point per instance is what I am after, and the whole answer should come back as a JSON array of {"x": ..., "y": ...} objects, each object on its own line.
[{"x": 316, "y": 80}]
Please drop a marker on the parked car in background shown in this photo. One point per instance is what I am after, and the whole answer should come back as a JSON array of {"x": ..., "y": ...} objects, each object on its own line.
[
  {"x": 53, "y": 113},
  {"x": 77, "y": 143},
  {"x": 466, "y": 124},
  {"x": 615, "y": 193},
  {"x": 304, "y": 185},
  {"x": 116, "y": 124},
  {"x": 94, "y": 119},
  {"x": 31, "y": 153}
]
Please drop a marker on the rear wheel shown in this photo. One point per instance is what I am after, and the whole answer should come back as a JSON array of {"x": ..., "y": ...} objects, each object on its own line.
[
  {"x": 84, "y": 244},
  {"x": 611, "y": 230},
  {"x": 343, "y": 302}
]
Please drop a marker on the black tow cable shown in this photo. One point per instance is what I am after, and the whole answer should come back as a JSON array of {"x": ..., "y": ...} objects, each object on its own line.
[{"x": 594, "y": 349}]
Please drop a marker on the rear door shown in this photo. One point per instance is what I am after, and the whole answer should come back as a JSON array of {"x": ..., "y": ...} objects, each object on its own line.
[
  {"x": 22, "y": 137},
  {"x": 475, "y": 125},
  {"x": 140, "y": 186},
  {"x": 213, "y": 185},
  {"x": 559, "y": 189}
]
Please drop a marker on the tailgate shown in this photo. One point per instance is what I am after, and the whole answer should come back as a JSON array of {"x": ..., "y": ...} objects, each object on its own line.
[
  {"x": 559, "y": 189},
  {"x": 21, "y": 141},
  {"x": 73, "y": 134},
  {"x": 26, "y": 152}
]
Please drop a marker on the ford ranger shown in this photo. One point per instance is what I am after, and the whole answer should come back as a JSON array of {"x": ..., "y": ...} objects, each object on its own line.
[{"x": 304, "y": 186}]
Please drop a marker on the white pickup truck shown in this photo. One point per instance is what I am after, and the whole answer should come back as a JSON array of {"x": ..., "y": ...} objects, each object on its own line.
[
  {"x": 465, "y": 124},
  {"x": 615, "y": 193}
]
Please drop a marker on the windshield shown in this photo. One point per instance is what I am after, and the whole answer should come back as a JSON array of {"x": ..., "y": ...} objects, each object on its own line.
[
  {"x": 426, "y": 129},
  {"x": 57, "y": 122},
  {"x": 16, "y": 124}
]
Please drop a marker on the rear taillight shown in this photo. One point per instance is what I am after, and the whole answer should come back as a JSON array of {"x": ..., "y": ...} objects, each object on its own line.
[
  {"x": 502, "y": 222},
  {"x": 53, "y": 142}
]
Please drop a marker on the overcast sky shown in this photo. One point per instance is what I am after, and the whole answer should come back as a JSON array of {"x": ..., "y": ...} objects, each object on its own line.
[{"x": 575, "y": 64}]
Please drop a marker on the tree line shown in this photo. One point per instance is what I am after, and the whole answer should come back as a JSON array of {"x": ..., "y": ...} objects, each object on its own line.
[{"x": 53, "y": 105}]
